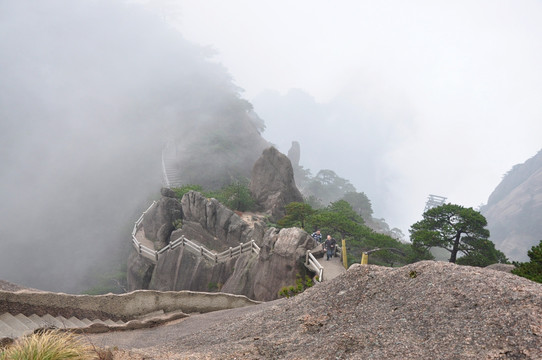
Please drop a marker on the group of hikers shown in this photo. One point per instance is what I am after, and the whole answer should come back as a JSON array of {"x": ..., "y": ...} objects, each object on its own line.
[{"x": 330, "y": 245}]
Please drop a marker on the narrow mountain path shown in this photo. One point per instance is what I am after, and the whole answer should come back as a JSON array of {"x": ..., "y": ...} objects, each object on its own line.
[
  {"x": 332, "y": 268},
  {"x": 140, "y": 236}
]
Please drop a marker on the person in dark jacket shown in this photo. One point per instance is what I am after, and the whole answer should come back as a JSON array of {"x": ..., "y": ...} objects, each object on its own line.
[
  {"x": 317, "y": 237},
  {"x": 330, "y": 246}
]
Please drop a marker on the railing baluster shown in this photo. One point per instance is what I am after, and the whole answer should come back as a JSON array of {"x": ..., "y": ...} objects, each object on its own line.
[{"x": 183, "y": 241}]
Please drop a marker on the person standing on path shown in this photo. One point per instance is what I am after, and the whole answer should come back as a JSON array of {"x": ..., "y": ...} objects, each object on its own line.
[
  {"x": 317, "y": 237},
  {"x": 329, "y": 246}
]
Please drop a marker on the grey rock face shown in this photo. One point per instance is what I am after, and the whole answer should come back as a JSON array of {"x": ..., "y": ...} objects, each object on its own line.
[
  {"x": 281, "y": 259},
  {"x": 166, "y": 192},
  {"x": 513, "y": 210},
  {"x": 139, "y": 272},
  {"x": 158, "y": 222},
  {"x": 209, "y": 223},
  {"x": 212, "y": 224},
  {"x": 294, "y": 154},
  {"x": 501, "y": 267},
  {"x": 272, "y": 183}
]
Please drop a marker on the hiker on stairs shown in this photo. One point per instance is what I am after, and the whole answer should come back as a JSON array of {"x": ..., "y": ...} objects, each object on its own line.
[
  {"x": 330, "y": 246},
  {"x": 317, "y": 237}
]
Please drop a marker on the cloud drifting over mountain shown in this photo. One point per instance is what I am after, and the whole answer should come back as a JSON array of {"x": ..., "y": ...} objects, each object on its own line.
[{"x": 444, "y": 96}]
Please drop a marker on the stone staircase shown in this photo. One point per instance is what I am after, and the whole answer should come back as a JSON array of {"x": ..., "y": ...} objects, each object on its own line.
[
  {"x": 23, "y": 312},
  {"x": 170, "y": 170},
  {"x": 14, "y": 326}
]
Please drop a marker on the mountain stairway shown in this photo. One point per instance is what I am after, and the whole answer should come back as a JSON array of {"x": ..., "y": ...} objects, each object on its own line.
[
  {"x": 324, "y": 269},
  {"x": 170, "y": 171},
  {"x": 14, "y": 326}
]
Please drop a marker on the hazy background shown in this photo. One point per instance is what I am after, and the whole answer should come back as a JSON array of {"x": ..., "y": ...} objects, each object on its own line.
[
  {"x": 403, "y": 98},
  {"x": 89, "y": 93}
]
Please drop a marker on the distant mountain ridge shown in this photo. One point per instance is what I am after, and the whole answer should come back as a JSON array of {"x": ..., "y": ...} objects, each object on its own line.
[{"x": 514, "y": 209}]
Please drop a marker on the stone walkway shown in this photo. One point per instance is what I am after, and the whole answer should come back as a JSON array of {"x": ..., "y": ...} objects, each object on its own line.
[
  {"x": 332, "y": 268},
  {"x": 140, "y": 236}
]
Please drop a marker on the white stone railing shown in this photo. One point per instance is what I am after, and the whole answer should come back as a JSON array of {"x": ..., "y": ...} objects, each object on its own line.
[
  {"x": 243, "y": 248},
  {"x": 153, "y": 255},
  {"x": 313, "y": 264}
]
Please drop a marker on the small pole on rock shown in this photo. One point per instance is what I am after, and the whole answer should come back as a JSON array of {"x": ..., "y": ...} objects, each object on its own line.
[
  {"x": 364, "y": 258},
  {"x": 343, "y": 253}
]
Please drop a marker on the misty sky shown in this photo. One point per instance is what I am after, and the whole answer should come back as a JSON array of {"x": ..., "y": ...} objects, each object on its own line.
[
  {"x": 404, "y": 99},
  {"x": 89, "y": 92},
  {"x": 444, "y": 97}
]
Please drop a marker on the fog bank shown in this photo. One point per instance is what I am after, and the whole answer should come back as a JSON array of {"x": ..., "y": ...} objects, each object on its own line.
[{"x": 89, "y": 92}]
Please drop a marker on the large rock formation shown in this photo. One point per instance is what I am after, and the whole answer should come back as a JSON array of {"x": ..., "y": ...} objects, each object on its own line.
[
  {"x": 213, "y": 225},
  {"x": 425, "y": 310},
  {"x": 272, "y": 183},
  {"x": 209, "y": 223},
  {"x": 513, "y": 209},
  {"x": 280, "y": 260},
  {"x": 158, "y": 223},
  {"x": 294, "y": 154}
]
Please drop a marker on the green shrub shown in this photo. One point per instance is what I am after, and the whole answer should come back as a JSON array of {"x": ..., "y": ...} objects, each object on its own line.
[
  {"x": 49, "y": 345},
  {"x": 301, "y": 285},
  {"x": 531, "y": 270},
  {"x": 284, "y": 292},
  {"x": 235, "y": 196},
  {"x": 179, "y": 192},
  {"x": 178, "y": 224}
]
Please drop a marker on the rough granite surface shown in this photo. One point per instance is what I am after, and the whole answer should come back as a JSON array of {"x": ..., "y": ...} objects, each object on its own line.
[{"x": 427, "y": 310}]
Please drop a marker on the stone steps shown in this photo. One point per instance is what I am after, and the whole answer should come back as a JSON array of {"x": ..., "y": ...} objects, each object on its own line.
[
  {"x": 14, "y": 326},
  {"x": 171, "y": 169}
]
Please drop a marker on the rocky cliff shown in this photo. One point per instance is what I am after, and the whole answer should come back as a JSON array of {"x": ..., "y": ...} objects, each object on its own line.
[
  {"x": 514, "y": 209},
  {"x": 209, "y": 223},
  {"x": 272, "y": 183}
]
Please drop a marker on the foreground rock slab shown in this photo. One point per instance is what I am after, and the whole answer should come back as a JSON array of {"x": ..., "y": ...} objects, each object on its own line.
[{"x": 427, "y": 310}]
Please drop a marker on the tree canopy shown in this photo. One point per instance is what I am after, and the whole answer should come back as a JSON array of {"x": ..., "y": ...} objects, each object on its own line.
[
  {"x": 531, "y": 270},
  {"x": 459, "y": 230},
  {"x": 360, "y": 203},
  {"x": 341, "y": 221},
  {"x": 297, "y": 214}
]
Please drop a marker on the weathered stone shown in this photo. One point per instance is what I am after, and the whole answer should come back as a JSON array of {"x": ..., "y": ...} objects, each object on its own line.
[
  {"x": 167, "y": 192},
  {"x": 294, "y": 154},
  {"x": 259, "y": 277},
  {"x": 501, "y": 267},
  {"x": 280, "y": 262},
  {"x": 139, "y": 272},
  {"x": 211, "y": 224},
  {"x": 513, "y": 209},
  {"x": 272, "y": 183},
  {"x": 207, "y": 222},
  {"x": 158, "y": 221},
  {"x": 241, "y": 280}
]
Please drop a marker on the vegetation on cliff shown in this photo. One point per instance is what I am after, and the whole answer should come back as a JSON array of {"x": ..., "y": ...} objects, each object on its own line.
[
  {"x": 235, "y": 196},
  {"x": 341, "y": 221},
  {"x": 460, "y": 231},
  {"x": 531, "y": 270}
]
